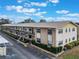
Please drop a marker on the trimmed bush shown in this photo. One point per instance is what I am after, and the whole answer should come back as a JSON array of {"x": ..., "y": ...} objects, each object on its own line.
[
  {"x": 72, "y": 44},
  {"x": 51, "y": 49},
  {"x": 76, "y": 43},
  {"x": 68, "y": 46}
]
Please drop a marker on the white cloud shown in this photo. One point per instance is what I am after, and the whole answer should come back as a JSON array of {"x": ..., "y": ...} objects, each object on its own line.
[
  {"x": 27, "y": 4},
  {"x": 22, "y": 9},
  {"x": 40, "y": 14},
  {"x": 14, "y": 18},
  {"x": 3, "y": 16},
  {"x": 62, "y": 11},
  {"x": 9, "y": 7},
  {"x": 75, "y": 19},
  {"x": 54, "y": 1},
  {"x": 39, "y": 4},
  {"x": 49, "y": 19},
  {"x": 73, "y": 14},
  {"x": 18, "y": 8},
  {"x": 31, "y": 10},
  {"x": 20, "y": 1}
]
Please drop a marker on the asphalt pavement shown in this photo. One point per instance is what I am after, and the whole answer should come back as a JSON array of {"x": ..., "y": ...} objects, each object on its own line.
[{"x": 18, "y": 51}]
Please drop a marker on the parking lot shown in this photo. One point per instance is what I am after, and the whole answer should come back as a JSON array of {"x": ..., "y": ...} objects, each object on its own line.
[{"x": 18, "y": 51}]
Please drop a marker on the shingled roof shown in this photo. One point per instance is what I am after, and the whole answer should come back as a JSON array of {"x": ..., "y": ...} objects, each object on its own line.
[{"x": 57, "y": 24}]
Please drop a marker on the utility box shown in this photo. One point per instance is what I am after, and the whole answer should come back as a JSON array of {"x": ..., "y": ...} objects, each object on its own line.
[{"x": 2, "y": 51}]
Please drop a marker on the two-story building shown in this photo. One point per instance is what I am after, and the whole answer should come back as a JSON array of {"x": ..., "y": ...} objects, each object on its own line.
[{"x": 55, "y": 34}]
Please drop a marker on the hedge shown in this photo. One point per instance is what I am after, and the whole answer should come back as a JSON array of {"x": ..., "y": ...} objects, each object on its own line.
[
  {"x": 51, "y": 49},
  {"x": 72, "y": 44}
]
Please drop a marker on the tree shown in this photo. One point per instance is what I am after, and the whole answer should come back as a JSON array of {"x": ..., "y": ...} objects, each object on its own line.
[
  {"x": 43, "y": 20},
  {"x": 29, "y": 20},
  {"x": 4, "y": 21}
]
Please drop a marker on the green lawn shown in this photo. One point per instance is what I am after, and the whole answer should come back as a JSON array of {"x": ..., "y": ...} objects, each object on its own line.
[{"x": 71, "y": 57}]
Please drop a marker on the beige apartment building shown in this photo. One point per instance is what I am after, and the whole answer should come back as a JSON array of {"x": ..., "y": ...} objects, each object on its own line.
[{"x": 55, "y": 34}]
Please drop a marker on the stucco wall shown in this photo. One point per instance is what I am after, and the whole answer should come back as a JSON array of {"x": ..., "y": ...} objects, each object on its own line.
[
  {"x": 44, "y": 38},
  {"x": 66, "y": 35}
]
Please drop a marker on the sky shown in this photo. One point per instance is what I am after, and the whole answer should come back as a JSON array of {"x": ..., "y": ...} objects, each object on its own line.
[{"x": 50, "y": 10}]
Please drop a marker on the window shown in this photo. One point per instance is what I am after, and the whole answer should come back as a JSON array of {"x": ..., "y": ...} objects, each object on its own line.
[
  {"x": 60, "y": 31},
  {"x": 49, "y": 31},
  {"x": 69, "y": 29},
  {"x": 30, "y": 29},
  {"x": 30, "y": 36},
  {"x": 38, "y": 30},
  {"x": 24, "y": 28},
  {"x": 73, "y": 29},
  {"x": 73, "y": 38},
  {"x": 38, "y": 40},
  {"x": 66, "y": 29},
  {"x": 2, "y": 45},
  {"x": 69, "y": 39},
  {"x": 60, "y": 43},
  {"x": 66, "y": 41}
]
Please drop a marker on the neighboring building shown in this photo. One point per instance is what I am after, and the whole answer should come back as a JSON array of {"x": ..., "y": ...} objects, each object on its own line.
[
  {"x": 54, "y": 34},
  {"x": 3, "y": 46}
]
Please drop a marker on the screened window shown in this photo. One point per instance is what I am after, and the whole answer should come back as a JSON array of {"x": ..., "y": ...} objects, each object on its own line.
[
  {"x": 73, "y": 38},
  {"x": 49, "y": 31},
  {"x": 30, "y": 29},
  {"x": 38, "y": 30},
  {"x": 73, "y": 29},
  {"x": 69, "y": 39},
  {"x": 60, "y": 43},
  {"x": 69, "y": 29},
  {"x": 66, "y": 29},
  {"x": 30, "y": 36},
  {"x": 38, "y": 40},
  {"x": 66, "y": 41},
  {"x": 60, "y": 31}
]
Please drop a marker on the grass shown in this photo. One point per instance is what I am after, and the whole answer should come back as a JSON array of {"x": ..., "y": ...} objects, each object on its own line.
[
  {"x": 71, "y": 57},
  {"x": 71, "y": 54}
]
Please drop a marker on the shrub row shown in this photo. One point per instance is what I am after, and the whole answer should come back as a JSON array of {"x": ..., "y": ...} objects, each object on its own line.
[
  {"x": 51, "y": 49},
  {"x": 72, "y": 44}
]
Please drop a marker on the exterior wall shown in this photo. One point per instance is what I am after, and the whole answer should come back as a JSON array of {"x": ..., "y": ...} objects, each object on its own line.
[
  {"x": 50, "y": 39},
  {"x": 44, "y": 38},
  {"x": 42, "y": 35},
  {"x": 66, "y": 35},
  {"x": 54, "y": 37},
  {"x": 78, "y": 32}
]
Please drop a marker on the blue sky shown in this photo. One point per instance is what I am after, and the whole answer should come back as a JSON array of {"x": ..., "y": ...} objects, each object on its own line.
[{"x": 51, "y": 10}]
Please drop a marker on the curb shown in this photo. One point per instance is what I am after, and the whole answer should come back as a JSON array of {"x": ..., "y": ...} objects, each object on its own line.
[{"x": 25, "y": 45}]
